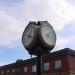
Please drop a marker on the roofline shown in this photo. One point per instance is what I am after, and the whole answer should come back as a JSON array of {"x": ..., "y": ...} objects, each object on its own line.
[{"x": 52, "y": 54}]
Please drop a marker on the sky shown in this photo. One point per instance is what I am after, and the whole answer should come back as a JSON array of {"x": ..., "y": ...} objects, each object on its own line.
[{"x": 16, "y": 14}]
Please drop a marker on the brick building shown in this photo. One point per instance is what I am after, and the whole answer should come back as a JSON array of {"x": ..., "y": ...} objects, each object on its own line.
[{"x": 61, "y": 62}]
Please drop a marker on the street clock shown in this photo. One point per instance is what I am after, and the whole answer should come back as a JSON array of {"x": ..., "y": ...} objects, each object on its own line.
[
  {"x": 47, "y": 35},
  {"x": 39, "y": 36},
  {"x": 29, "y": 35}
]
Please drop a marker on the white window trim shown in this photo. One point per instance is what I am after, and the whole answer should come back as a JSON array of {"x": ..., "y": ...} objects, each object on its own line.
[
  {"x": 7, "y": 71},
  {"x": 57, "y": 64},
  {"x": 18, "y": 70},
  {"x": 34, "y": 68},
  {"x": 25, "y": 69},
  {"x": 13, "y": 70},
  {"x": 2, "y": 72},
  {"x": 46, "y": 66}
]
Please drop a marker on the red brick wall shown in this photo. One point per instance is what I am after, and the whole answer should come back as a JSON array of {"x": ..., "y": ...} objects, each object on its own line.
[
  {"x": 71, "y": 61},
  {"x": 66, "y": 60}
]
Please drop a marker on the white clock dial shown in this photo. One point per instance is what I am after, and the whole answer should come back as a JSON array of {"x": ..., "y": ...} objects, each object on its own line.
[
  {"x": 28, "y": 35},
  {"x": 48, "y": 35}
]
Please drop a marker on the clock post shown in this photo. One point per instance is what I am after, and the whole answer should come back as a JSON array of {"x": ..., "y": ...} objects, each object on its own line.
[
  {"x": 39, "y": 39},
  {"x": 39, "y": 62}
]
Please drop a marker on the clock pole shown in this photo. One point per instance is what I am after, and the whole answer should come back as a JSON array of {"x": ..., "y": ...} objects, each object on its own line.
[
  {"x": 39, "y": 39},
  {"x": 39, "y": 61},
  {"x": 39, "y": 64}
]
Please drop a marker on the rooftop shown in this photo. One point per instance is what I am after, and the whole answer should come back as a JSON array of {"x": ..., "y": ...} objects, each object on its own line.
[{"x": 52, "y": 54}]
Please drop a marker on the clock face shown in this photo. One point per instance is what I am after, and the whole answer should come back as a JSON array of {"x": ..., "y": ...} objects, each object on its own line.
[
  {"x": 28, "y": 35},
  {"x": 48, "y": 35}
]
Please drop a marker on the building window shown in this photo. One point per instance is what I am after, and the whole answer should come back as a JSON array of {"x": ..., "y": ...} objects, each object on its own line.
[
  {"x": 18, "y": 70},
  {"x": 57, "y": 64},
  {"x": 46, "y": 66},
  {"x": 25, "y": 69},
  {"x": 34, "y": 68},
  {"x": 2, "y": 72},
  {"x": 13, "y": 70},
  {"x": 7, "y": 71}
]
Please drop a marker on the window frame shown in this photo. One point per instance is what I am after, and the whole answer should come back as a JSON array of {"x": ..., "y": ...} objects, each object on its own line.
[
  {"x": 46, "y": 66},
  {"x": 25, "y": 69},
  {"x": 58, "y": 64},
  {"x": 13, "y": 70},
  {"x": 34, "y": 68},
  {"x": 2, "y": 72}
]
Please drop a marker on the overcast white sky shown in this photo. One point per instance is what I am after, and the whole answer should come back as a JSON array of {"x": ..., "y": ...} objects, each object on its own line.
[{"x": 16, "y": 14}]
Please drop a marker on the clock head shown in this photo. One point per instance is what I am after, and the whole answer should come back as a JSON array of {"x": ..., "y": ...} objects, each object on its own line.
[
  {"x": 29, "y": 35},
  {"x": 39, "y": 37},
  {"x": 47, "y": 34}
]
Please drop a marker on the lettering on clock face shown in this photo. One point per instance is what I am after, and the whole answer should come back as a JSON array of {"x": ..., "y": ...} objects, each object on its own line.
[
  {"x": 28, "y": 35},
  {"x": 48, "y": 35}
]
